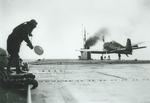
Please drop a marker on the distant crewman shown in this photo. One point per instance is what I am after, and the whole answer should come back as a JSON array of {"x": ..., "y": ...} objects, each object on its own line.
[
  {"x": 20, "y": 33},
  {"x": 108, "y": 57},
  {"x": 102, "y": 58},
  {"x": 105, "y": 57},
  {"x": 119, "y": 55}
]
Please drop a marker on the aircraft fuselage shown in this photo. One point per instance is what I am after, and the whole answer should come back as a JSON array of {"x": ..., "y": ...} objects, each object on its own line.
[
  {"x": 113, "y": 45},
  {"x": 116, "y": 47}
]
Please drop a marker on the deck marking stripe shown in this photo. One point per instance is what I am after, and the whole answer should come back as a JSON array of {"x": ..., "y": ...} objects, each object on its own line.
[{"x": 112, "y": 75}]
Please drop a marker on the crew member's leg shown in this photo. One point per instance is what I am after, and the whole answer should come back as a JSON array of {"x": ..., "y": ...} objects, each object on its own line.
[
  {"x": 16, "y": 58},
  {"x": 10, "y": 50},
  {"x": 9, "y": 64},
  {"x": 13, "y": 51}
]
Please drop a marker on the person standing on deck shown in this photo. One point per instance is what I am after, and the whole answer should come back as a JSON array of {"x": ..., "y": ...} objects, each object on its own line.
[{"x": 20, "y": 33}]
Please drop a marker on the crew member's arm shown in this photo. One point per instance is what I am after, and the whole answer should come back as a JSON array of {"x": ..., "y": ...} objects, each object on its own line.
[
  {"x": 28, "y": 42},
  {"x": 28, "y": 31}
]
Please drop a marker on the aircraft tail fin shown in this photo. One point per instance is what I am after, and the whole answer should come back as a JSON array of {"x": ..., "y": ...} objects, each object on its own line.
[{"x": 129, "y": 46}]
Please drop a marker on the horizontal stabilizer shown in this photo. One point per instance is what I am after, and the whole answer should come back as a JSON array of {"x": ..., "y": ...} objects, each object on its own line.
[{"x": 138, "y": 47}]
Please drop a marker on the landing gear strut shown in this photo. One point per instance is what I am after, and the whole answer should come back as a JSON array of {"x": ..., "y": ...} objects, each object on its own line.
[
  {"x": 102, "y": 58},
  {"x": 119, "y": 56}
]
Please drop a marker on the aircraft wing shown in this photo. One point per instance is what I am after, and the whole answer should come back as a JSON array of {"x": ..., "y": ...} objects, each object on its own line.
[
  {"x": 93, "y": 51},
  {"x": 102, "y": 51},
  {"x": 119, "y": 50}
]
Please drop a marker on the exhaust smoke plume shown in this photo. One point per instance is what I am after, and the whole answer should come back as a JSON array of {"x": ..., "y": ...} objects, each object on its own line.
[{"x": 99, "y": 35}]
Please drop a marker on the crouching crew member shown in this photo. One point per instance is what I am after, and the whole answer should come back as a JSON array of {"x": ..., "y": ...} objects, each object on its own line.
[{"x": 20, "y": 33}]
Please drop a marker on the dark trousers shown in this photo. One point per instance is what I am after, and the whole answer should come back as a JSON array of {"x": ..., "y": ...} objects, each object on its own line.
[
  {"x": 14, "y": 62},
  {"x": 13, "y": 47}
]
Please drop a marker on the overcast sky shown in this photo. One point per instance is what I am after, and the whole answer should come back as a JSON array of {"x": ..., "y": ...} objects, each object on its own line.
[{"x": 59, "y": 29}]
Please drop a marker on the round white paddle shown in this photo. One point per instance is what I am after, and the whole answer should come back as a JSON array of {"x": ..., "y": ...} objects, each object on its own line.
[{"x": 38, "y": 50}]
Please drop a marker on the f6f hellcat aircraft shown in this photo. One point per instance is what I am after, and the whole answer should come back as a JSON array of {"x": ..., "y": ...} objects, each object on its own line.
[{"x": 115, "y": 47}]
